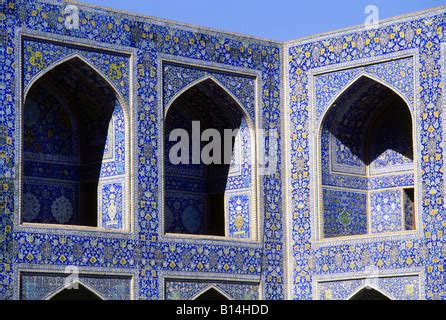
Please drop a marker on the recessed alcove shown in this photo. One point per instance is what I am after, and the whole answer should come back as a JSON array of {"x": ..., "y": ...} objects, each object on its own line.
[
  {"x": 211, "y": 295},
  {"x": 73, "y": 138},
  {"x": 79, "y": 292},
  {"x": 195, "y": 190},
  {"x": 367, "y": 162}
]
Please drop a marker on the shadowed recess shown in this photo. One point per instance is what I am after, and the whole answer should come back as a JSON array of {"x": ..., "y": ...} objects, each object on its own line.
[
  {"x": 366, "y": 137},
  {"x": 201, "y": 186},
  {"x": 67, "y": 123}
]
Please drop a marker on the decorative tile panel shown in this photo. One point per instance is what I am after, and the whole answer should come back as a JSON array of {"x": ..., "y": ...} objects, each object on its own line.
[
  {"x": 386, "y": 211},
  {"x": 344, "y": 213},
  {"x": 239, "y": 216}
]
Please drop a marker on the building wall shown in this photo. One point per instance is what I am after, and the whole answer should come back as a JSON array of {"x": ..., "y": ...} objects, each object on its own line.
[
  {"x": 284, "y": 87},
  {"x": 130, "y": 52},
  {"x": 318, "y": 69}
]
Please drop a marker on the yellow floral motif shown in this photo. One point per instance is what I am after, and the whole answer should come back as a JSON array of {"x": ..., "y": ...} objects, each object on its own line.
[
  {"x": 239, "y": 222},
  {"x": 115, "y": 72},
  {"x": 36, "y": 59}
]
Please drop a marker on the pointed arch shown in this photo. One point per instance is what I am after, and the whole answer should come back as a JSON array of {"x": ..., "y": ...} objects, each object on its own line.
[
  {"x": 95, "y": 102},
  {"x": 214, "y": 80},
  {"x": 79, "y": 283},
  {"x": 215, "y": 290},
  {"x": 54, "y": 65},
  {"x": 369, "y": 287},
  {"x": 369, "y": 76}
]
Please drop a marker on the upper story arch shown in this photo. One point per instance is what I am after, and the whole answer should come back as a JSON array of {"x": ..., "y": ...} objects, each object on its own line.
[
  {"x": 66, "y": 185},
  {"x": 197, "y": 194},
  {"x": 359, "y": 144}
]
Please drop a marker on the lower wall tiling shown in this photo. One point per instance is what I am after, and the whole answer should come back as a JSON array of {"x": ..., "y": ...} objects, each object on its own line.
[
  {"x": 42, "y": 286},
  {"x": 305, "y": 224},
  {"x": 395, "y": 288},
  {"x": 188, "y": 289}
]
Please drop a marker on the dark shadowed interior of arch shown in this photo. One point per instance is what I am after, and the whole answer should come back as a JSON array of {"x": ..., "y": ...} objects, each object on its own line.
[
  {"x": 66, "y": 121},
  {"x": 369, "y": 294},
  {"x": 366, "y": 143},
  {"x": 195, "y": 192},
  {"x": 81, "y": 293},
  {"x": 211, "y": 295},
  {"x": 369, "y": 119}
]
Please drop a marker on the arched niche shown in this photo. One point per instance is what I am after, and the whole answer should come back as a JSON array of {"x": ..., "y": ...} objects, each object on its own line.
[
  {"x": 366, "y": 161},
  {"x": 73, "y": 140},
  {"x": 211, "y": 294},
  {"x": 369, "y": 294},
  {"x": 78, "y": 292},
  {"x": 196, "y": 191}
]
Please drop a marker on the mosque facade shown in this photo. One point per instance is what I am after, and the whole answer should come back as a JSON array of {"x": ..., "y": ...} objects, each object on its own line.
[{"x": 334, "y": 188}]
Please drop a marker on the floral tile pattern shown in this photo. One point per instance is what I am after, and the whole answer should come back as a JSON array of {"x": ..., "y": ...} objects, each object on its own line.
[
  {"x": 107, "y": 40},
  {"x": 421, "y": 37},
  {"x": 295, "y": 83}
]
